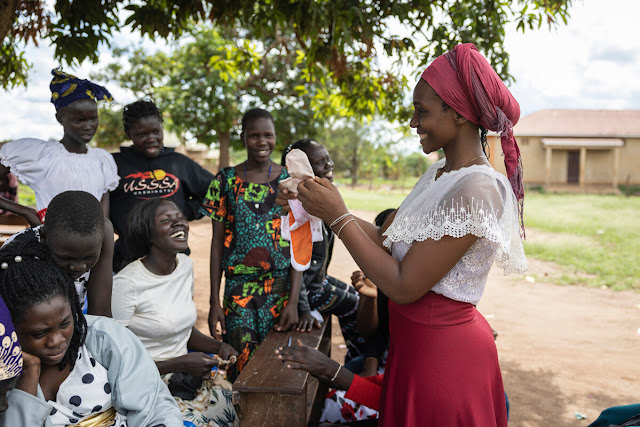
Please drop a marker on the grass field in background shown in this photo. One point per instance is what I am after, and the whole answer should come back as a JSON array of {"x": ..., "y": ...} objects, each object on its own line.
[
  {"x": 596, "y": 238},
  {"x": 594, "y": 234}
]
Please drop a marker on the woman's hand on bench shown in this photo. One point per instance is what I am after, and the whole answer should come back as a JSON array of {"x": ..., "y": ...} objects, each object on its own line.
[{"x": 307, "y": 322}]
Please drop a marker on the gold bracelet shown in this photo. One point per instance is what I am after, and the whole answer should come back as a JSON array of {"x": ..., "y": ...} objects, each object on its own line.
[
  {"x": 344, "y": 225},
  {"x": 336, "y": 375}
]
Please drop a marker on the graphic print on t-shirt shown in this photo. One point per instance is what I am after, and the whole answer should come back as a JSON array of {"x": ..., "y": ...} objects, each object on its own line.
[{"x": 156, "y": 183}]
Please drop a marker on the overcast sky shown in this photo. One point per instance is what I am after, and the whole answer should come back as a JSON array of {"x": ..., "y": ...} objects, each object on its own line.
[{"x": 591, "y": 63}]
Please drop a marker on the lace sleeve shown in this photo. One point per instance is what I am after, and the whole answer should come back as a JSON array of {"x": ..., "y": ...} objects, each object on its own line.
[{"x": 475, "y": 200}]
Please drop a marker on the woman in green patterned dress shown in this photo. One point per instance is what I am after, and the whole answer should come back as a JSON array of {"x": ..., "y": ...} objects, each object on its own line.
[{"x": 261, "y": 288}]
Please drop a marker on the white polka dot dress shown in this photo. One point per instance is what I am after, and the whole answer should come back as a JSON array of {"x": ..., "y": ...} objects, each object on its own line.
[{"x": 84, "y": 393}]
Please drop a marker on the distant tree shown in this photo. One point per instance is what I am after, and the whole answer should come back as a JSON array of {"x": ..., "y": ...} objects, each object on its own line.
[
  {"x": 338, "y": 40},
  {"x": 205, "y": 85},
  {"x": 110, "y": 132}
]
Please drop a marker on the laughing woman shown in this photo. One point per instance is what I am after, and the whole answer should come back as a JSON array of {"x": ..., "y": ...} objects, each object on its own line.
[{"x": 153, "y": 297}]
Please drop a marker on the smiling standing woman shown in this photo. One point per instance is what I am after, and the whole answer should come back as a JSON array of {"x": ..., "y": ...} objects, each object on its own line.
[
  {"x": 433, "y": 257},
  {"x": 51, "y": 167},
  {"x": 148, "y": 169},
  {"x": 261, "y": 288}
]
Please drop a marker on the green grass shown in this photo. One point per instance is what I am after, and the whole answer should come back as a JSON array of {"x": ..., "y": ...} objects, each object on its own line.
[
  {"x": 594, "y": 238},
  {"x": 372, "y": 201},
  {"x": 598, "y": 236},
  {"x": 26, "y": 196}
]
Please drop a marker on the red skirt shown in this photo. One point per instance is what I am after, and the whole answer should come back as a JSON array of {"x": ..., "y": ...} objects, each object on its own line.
[{"x": 442, "y": 368}]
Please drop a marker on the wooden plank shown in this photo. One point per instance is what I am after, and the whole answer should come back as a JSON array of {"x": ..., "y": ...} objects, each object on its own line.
[
  {"x": 265, "y": 373},
  {"x": 273, "y": 409}
]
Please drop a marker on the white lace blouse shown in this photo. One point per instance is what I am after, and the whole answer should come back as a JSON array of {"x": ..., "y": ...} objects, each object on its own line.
[
  {"x": 474, "y": 200},
  {"x": 49, "y": 169}
]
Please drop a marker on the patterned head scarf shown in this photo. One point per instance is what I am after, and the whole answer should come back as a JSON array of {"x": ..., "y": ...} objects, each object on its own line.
[
  {"x": 467, "y": 83},
  {"x": 10, "y": 351},
  {"x": 66, "y": 88}
]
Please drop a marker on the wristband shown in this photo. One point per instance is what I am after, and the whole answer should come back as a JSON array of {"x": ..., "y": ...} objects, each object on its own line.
[
  {"x": 343, "y": 226},
  {"x": 336, "y": 375},
  {"x": 340, "y": 218}
]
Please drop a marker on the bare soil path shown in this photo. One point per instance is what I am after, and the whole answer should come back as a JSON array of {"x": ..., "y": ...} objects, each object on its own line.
[{"x": 562, "y": 349}]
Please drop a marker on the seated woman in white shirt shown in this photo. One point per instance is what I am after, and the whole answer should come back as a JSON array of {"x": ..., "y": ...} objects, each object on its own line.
[{"x": 153, "y": 297}]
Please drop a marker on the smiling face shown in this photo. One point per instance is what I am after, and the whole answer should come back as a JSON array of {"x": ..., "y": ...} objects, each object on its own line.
[
  {"x": 46, "y": 329},
  {"x": 74, "y": 253},
  {"x": 79, "y": 120},
  {"x": 147, "y": 136},
  {"x": 434, "y": 122},
  {"x": 259, "y": 137},
  {"x": 320, "y": 160},
  {"x": 170, "y": 228}
]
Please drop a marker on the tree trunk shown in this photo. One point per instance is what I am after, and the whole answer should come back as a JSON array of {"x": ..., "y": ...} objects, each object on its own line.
[
  {"x": 7, "y": 17},
  {"x": 354, "y": 167},
  {"x": 224, "y": 148}
]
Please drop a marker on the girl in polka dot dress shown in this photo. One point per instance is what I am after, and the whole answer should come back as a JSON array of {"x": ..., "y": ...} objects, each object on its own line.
[{"x": 77, "y": 370}]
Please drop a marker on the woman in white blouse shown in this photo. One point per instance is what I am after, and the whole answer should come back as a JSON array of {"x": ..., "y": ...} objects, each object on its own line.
[
  {"x": 153, "y": 297},
  {"x": 433, "y": 257}
]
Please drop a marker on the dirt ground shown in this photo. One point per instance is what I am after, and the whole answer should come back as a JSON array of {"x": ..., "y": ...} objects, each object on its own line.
[{"x": 563, "y": 349}]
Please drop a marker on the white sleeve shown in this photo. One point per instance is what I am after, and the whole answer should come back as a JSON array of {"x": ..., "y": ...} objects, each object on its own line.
[
  {"x": 123, "y": 299},
  {"x": 109, "y": 170},
  {"x": 22, "y": 157}
]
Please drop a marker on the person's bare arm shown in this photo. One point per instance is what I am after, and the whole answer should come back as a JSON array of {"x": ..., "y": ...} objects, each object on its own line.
[
  {"x": 30, "y": 214},
  {"x": 100, "y": 281},
  {"x": 367, "y": 316},
  {"x": 201, "y": 342},
  {"x": 403, "y": 282},
  {"x": 216, "y": 315},
  {"x": 104, "y": 202}
]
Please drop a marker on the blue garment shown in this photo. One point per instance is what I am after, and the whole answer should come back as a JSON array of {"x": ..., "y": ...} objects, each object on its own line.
[
  {"x": 136, "y": 387},
  {"x": 616, "y": 415}
]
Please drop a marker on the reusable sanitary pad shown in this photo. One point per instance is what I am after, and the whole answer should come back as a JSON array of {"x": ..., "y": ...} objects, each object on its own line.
[{"x": 299, "y": 228}]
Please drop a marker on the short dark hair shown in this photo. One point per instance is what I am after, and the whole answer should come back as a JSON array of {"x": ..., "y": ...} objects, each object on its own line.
[
  {"x": 255, "y": 113},
  {"x": 140, "y": 227},
  {"x": 382, "y": 217},
  {"x": 301, "y": 144},
  {"x": 32, "y": 277},
  {"x": 74, "y": 212},
  {"x": 140, "y": 109}
]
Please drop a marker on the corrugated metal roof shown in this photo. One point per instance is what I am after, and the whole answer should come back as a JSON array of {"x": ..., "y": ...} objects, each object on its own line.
[{"x": 580, "y": 123}]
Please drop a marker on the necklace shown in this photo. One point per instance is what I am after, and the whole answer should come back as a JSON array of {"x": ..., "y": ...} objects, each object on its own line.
[
  {"x": 264, "y": 195},
  {"x": 472, "y": 160},
  {"x": 441, "y": 170}
]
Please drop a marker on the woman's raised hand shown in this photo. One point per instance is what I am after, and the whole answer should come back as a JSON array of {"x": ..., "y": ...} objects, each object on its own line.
[
  {"x": 364, "y": 286},
  {"x": 321, "y": 198},
  {"x": 283, "y": 198}
]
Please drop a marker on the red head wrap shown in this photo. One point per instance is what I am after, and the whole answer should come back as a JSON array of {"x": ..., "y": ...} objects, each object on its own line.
[{"x": 467, "y": 83}]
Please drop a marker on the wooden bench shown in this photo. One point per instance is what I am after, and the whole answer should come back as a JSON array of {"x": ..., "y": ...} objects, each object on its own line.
[{"x": 267, "y": 393}]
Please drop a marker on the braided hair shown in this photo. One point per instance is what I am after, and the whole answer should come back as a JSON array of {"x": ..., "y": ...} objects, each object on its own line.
[
  {"x": 76, "y": 212},
  {"x": 135, "y": 111},
  {"x": 28, "y": 276},
  {"x": 301, "y": 144}
]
